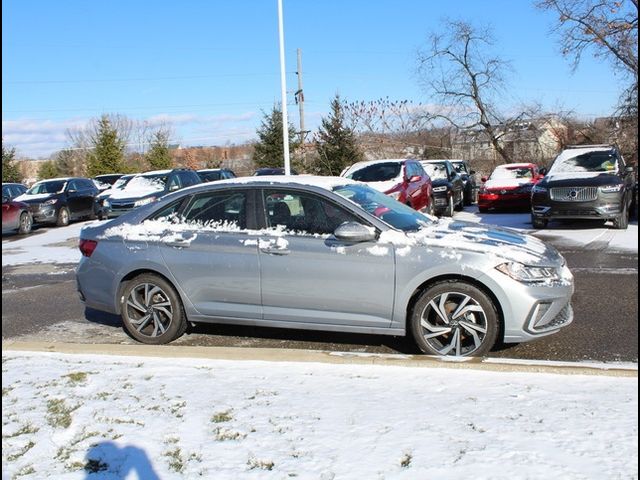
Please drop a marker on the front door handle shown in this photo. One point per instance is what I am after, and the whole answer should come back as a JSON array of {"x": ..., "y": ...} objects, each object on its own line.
[
  {"x": 182, "y": 243},
  {"x": 275, "y": 251}
]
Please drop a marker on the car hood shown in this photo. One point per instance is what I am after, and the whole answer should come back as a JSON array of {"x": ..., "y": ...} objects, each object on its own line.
[
  {"x": 580, "y": 179},
  {"x": 133, "y": 196},
  {"x": 506, "y": 183},
  {"x": 456, "y": 236},
  {"x": 36, "y": 198}
]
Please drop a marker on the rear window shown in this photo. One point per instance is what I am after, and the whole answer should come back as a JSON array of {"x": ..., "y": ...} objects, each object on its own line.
[{"x": 378, "y": 172}]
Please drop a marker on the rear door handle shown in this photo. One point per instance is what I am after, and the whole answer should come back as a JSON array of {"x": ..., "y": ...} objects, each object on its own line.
[
  {"x": 182, "y": 243},
  {"x": 275, "y": 251}
]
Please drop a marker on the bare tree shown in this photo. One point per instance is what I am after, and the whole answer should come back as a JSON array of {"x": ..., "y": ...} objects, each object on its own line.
[{"x": 459, "y": 70}]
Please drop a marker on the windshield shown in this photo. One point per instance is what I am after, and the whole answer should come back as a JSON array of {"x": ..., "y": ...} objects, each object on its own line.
[
  {"x": 384, "y": 207},
  {"x": 147, "y": 182},
  {"x": 598, "y": 161},
  {"x": 122, "y": 182},
  {"x": 510, "y": 173},
  {"x": 47, "y": 187},
  {"x": 378, "y": 172},
  {"x": 436, "y": 170}
]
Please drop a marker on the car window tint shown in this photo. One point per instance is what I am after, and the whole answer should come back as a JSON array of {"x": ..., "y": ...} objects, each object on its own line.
[
  {"x": 304, "y": 213},
  {"x": 174, "y": 181},
  {"x": 6, "y": 191},
  {"x": 168, "y": 212},
  {"x": 189, "y": 178},
  {"x": 72, "y": 185},
  {"x": 378, "y": 172},
  {"x": 218, "y": 208}
]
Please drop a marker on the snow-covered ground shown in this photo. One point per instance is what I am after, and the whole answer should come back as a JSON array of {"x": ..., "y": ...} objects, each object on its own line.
[
  {"x": 60, "y": 245},
  {"x": 133, "y": 417}
]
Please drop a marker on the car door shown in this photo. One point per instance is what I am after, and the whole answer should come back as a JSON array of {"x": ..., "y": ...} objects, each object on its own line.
[
  {"x": 309, "y": 277},
  {"x": 212, "y": 256},
  {"x": 456, "y": 182},
  {"x": 10, "y": 210},
  {"x": 74, "y": 198}
]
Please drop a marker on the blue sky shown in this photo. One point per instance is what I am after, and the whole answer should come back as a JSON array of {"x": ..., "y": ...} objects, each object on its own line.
[{"x": 210, "y": 68}]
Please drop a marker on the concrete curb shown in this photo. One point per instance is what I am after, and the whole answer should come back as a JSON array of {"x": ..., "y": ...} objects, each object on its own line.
[{"x": 344, "y": 358}]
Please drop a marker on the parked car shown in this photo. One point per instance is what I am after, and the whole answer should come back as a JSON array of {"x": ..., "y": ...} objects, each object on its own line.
[
  {"x": 15, "y": 215},
  {"x": 119, "y": 184},
  {"x": 213, "y": 174},
  {"x": 147, "y": 188},
  {"x": 468, "y": 180},
  {"x": 402, "y": 179},
  {"x": 585, "y": 182},
  {"x": 447, "y": 186},
  {"x": 272, "y": 171},
  {"x": 509, "y": 186},
  {"x": 254, "y": 252},
  {"x": 60, "y": 200},
  {"x": 106, "y": 181}
]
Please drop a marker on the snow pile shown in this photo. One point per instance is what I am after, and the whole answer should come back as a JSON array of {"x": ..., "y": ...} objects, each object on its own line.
[{"x": 65, "y": 416}]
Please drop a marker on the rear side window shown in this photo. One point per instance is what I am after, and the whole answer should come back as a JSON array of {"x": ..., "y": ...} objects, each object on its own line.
[
  {"x": 218, "y": 209},
  {"x": 189, "y": 178}
]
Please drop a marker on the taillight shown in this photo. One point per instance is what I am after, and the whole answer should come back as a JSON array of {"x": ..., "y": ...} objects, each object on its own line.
[{"x": 87, "y": 247}]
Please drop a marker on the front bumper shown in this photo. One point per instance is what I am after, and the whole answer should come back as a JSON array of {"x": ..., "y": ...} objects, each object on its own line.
[
  {"x": 44, "y": 213},
  {"x": 605, "y": 207}
]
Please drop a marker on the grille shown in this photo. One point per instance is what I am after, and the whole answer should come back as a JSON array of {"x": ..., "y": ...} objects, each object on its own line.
[
  {"x": 574, "y": 194},
  {"x": 563, "y": 317},
  {"x": 122, "y": 206}
]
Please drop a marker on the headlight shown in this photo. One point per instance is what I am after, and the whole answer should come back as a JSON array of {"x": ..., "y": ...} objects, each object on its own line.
[
  {"x": 439, "y": 189},
  {"x": 106, "y": 204},
  {"x": 53, "y": 201},
  {"x": 394, "y": 195},
  {"x": 611, "y": 188},
  {"x": 538, "y": 189},
  {"x": 144, "y": 201},
  {"x": 527, "y": 274}
]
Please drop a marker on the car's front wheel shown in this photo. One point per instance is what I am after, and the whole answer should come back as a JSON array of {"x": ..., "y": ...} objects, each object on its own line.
[
  {"x": 26, "y": 223},
  {"x": 454, "y": 318},
  {"x": 621, "y": 222},
  {"x": 152, "y": 312},
  {"x": 63, "y": 217},
  {"x": 538, "y": 222}
]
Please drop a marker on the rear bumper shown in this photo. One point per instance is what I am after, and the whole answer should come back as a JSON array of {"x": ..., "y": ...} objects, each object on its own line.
[{"x": 506, "y": 200}]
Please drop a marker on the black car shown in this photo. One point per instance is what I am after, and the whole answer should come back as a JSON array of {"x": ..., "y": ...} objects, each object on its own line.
[
  {"x": 148, "y": 187},
  {"x": 61, "y": 200},
  {"x": 12, "y": 190},
  {"x": 447, "y": 186},
  {"x": 213, "y": 174},
  {"x": 468, "y": 181},
  {"x": 585, "y": 182},
  {"x": 272, "y": 171},
  {"x": 107, "y": 180},
  {"x": 119, "y": 184}
]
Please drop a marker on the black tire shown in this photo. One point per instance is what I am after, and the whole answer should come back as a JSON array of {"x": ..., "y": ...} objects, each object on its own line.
[
  {"x": 63, "y": 217},
  {"x": 26, "y": 223},
  {"x": 460, "y": 205},
  {"x": 450, "y": 208},
  {"x": 430, "y": 209},
  {"x": 152, "y": 311},
  {"x": 538, "y": 222},
  {"x": 473, "y": 332},
  {"x": 483, "y": 209},
  {"x": 621, "y": 222}
]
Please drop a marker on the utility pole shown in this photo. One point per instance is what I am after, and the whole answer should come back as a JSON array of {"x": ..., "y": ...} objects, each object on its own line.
[
  {"x": 283, "y": 84},
  {"x": 300, "y": 100}
]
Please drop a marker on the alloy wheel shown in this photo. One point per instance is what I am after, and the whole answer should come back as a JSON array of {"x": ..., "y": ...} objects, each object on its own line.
[
  {"x": 454, "y": 323},
  {"x": 149, "y": 310}
]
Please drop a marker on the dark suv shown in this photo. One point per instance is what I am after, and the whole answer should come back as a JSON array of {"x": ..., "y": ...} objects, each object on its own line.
[
  {"x": 585, "y": 182},
  {"x": 148, "y": 187},
  {"x": 213, "y": 174},
  {"x": 468, "y": 180},
  {"x": 60, "y": 200}
]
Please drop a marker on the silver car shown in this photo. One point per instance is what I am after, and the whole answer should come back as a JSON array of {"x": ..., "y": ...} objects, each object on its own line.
[{"x": 321, "y": 253}]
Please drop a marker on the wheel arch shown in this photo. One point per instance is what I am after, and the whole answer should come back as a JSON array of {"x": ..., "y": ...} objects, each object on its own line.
[{"x": 455, "y": 278}]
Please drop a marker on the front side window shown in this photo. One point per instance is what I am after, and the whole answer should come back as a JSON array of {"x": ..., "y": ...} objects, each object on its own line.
[{"x": 304, "y": 213}]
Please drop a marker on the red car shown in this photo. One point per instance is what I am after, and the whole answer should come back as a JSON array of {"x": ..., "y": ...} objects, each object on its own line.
[
  {"x": 509, "y": 187},
  {"x": 403, "y": 179},
  {"x": 15, "y": 215}
]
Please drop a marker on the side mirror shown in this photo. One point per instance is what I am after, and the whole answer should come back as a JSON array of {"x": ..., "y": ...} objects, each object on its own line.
[
  {"x": 173, "y": 188},
  {"x": 483, "y": 179},
  {"x": 354, "y": 232},
  {"x": 542, "y": 171},
  {"x": 5, "y": 199}
]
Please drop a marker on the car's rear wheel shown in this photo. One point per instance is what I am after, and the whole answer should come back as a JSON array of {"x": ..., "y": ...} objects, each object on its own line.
[
  {"x": 621, "y": 222},
  {"x": 63, "y": 217},
  {"x": 152, "y": 312},
  {"x": 539, "y": 222},
  {"x": 26, "y": 223},
  {"x": 454, "y": 318},
  {"x": 450, "y": 207}
]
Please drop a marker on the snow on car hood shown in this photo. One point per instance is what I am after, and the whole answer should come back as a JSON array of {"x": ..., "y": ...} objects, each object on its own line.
[
  {"x": 563, "y": 175},
  {"x": 30, "y": 198},
  {"x": 138, "y": 187},
  {"x": 506, "y": 182},
  {"x": 453, "y": 236}
]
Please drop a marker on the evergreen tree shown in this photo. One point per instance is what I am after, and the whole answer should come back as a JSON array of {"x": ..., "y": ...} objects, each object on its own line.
[
  {"x": 336, "y": 143},
  {"x": 108, "y": 149},
  {"x": 10, "y": 170},
  {"x": 158, "y": 155},
  {"x": 66, "y": 162},
  {"x": 48, "y": 169},
  {"x": 269, "y": 151}
]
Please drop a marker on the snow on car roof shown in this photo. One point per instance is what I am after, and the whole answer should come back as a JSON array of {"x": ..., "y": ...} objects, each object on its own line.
[
  {"x": 328, "y": 183},
  {"x": 155, "y": 172},
  {"x": 515, "y": 165},
  {"x": 61, "y": 179}
]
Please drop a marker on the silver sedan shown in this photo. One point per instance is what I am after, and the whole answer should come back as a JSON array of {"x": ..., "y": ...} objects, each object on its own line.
[{"x": 321, "y": 253}]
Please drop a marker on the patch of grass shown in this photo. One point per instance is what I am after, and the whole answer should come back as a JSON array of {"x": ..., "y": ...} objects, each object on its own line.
[
  {"x": 21, "y": 452},
  {"x": 64, "y": 453},
  {"x": 103, "y": 395},
  {"x": 258, "y": 463},
  {"x": 221, "y": 417},
  {"x": 405, "y": 461},
  {"x": 59, "y": 413},
  {"x": 175, "y": 459},
  {"x": 26, "y": 429},
  {"x": 95, "y": 466},
  {"x": 176, "y": 407},
  {"x": 26, "y": 470},
  {"x": 6, "y": 391},
  {"x": 223, "y": 434},
  {"x": 76, "y": 377}
]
